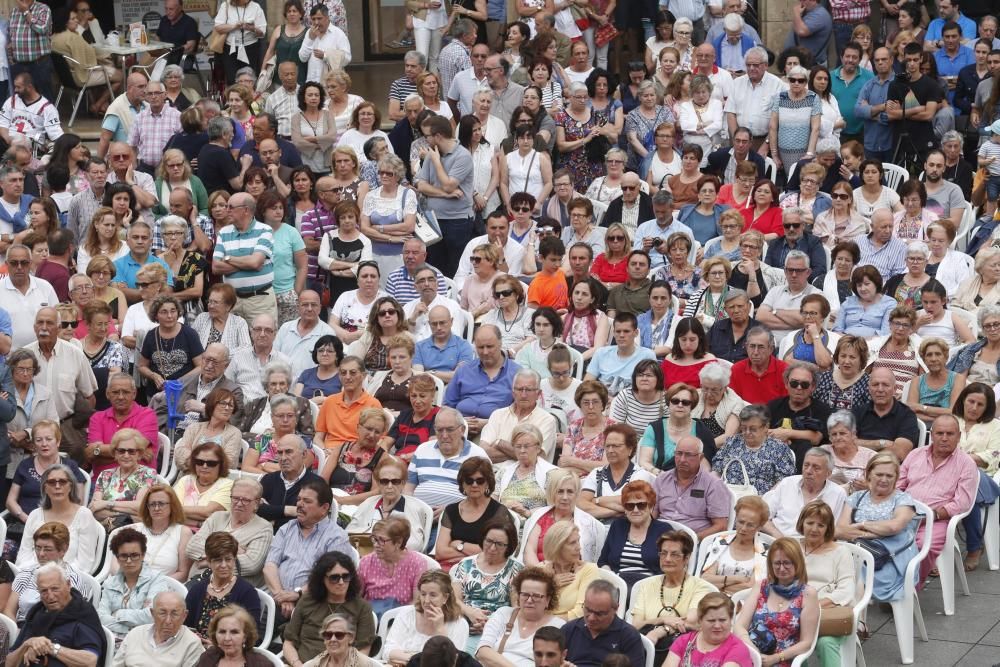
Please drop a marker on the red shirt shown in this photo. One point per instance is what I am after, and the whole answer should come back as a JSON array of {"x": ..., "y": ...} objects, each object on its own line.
[
  {"x": 674, "y": 373},
  {"x": 759, "y": 389},
  {"x": 103, "y": 427},
  {"x": 607, "y": 272},
  {"x": 769, "y": 223},
  {"x": 57, "y": 275}
]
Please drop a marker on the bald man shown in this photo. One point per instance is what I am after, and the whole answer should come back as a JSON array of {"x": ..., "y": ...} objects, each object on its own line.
[
  {"x": 153, "y": 127},
  {"x": 270, "y": 158},
  {"x": 119, "y": 117},
  {"x": 315, "y": 224},
  {"x": 166, "y": 641},
  {"x": 886, "y": 423}
]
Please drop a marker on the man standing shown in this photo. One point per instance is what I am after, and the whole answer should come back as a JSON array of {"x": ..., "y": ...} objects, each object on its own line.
[
  {"x": 441, "y": 353},
  {"x": 985, "y": 87},
  {"x": 871, "y": 108},
  {"x": 507, "y": 95},
  {"x": 23, "y": 295},
  {"x": 466, "y": 83},
  {"x": 127, "y": 267},
  {"x": 796, "y": 418},
  {"x": 455, "y": 57},
  {"x": 479, "y": 388},
  {"x": 216, "y": 167},
  {"x": 612, "y": 365},
  {"x": 797, "y": 238},
  {"x": 283, "y": 102},
  {"x": 281, "y": 487},
  {"x": 885, "y": 423},
  {"x": 758, "y": 378},
  {"x": 243, "y": 257},
  {"x": 497, "y": 234},
  {"x": 27, "y": 113},
  {"x": 847, "y": 15},
  {"x": 55, "y": 269},
  {"x": 270, "y": 159},
  {"x": 247, "y": 364},
  {"x": 122, "y": 112},
  {"x": 787, "y": 498},
  {"x": 690, "y": 495},
  {"x": 153, "y": 128},
  {"x": 948, "y": 12},
  {"x": 727, "y": 338},
  {"x": 912, "y": 103},
  {"x": 722, "y": 162},
  {"x": 651, "y": 235},
  {"x": 14, "y": 205},
  {"x": 944, "y": 198},
  {"x": 315, "y": 224},
  {"x": 952, "y": 56},
  {"x": 496, "y": 435},
  {"x": 446, "y": 180},
  {"x": 167, "y": 641},
  {"x": 750, "y": 104},
  {"x": 417, "y": 311},
  {"x": 732, "y": 41},
  {"x": 812, "y": 26},
  {"x": 179, "y": 29},
  {"x": 432, "y": 475},
  {"x": 297, "y": 338},
  {"x": 29, "y": 43},
  {"x": 880, "y": 248},
  {"x": 265, "y": 127},
  {"x": 632, "y": 297},
  {"x": 85, "y": 203},
  {"x": 600, "y": 632},
  {"x": 324, "y": 45},
  {"x": 200, "y": 229},
  {"x": 848, "y": 80},
  {"x": 414, "y": 63},
  {"x": 123, "y": 413},
  {"x": 780, "y": 310},
  {"x": 405, "y": 132}
]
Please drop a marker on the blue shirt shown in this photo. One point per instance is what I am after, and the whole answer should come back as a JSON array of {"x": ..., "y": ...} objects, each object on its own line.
[
  {"x": 857, "y": 320},
  {"x": 967, "y": 25},
  {"x": 651, "y": 229},
  {"x": 951, "y": 66},
  {"x": 6, "y": 327},
  {"x": 295, "y": 554},
  {"x": 126, "y": 269},
  {"x": 890, "y": 259},
  {"x": 472, "y": 392},
  {"x": 113, "y": 123},
  {"x": 878, "y": 132},
  {"x": 613, "y": 370},
  {"x": 847, "y": 97},
  {"x": 432, "y": 358}
]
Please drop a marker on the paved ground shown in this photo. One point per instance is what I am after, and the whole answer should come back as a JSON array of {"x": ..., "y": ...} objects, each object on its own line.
[{"x": 970, "y": 638}]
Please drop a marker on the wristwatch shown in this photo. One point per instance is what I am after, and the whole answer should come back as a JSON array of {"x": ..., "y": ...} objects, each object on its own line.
[
  {"x": 55, "y": 649},
  {"x": 97, "y": 451},
  {"x": 882, "y": 443},
  {"x": 460, "y": 547}
]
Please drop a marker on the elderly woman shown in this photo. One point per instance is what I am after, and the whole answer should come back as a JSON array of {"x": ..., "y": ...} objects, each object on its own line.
[
  {"x": 906, "y": 288},
  {"x": 340, "y": 101},
  {"x": 713, "y": 641},
  {"x": 950, "y": 267},
  {"x": 736, "y": 557},
  {"x": 178, "y": 97},
  {"x": 842, "y": 221},
  {"x": 641, "y": 127},
  {"x": 708, "y": 304},
  {"x": 881, "y": 513},
  {"x": 766, "y": 459},
  {"x": 659, "y": 438},
  {"x": 812, "y": 343},
  {"x": 220, "y": 404},
  {"x": 521, "y": 487},
  {"x": 866, "y": 313},
  {"x": 933, "y": 394},
  {"x": 482, "y": 582},
  {"x": 118, "y": 491},
  {"x": 764, "y": 215},
  {"x": 727, "y": 246},
  {"x": 352, "y": 470},
  {"x": 477, "y": 291},
  {"x": 391, "y": 476},
  {"x": 512, "y": 316},
  {"x": 980, "y": 361},
  {"x": 435, "y": 611},
  {"x": 572, "y": 572},
  {"x": 34, "y": 405},
  {"x": 911, "y": 222},
  {"x": 583, "y": 446},
  {"x": 717, "y": 406},
  {"x": 975, "y": 409},
  {"x": 391, "y": 387},
  {"x": 665, "y": 606},
  {"x": 206, "y": 489},
  {"x": 462, "y": 522},
  {"x": 808, "y": 197},
  {"x": 333, "y": 587},
  {"x": 365, "y": 123},
  {"x": 795, "y": 121},
  {"x": 339, "y": 634},
  {"x": 414, "y": 424},
  {"x": 782, "y": 612},
  {"x": 849, "y": 459},
  {"x": 983, "y": 289},
  {"x": 609, "y": 187},
  {"x": 683, "y": 277},
  {"x": 642, "y": 402},
  {"x": 632, "y": 545},
  {"x": 257, "y": 419},
  {"x": 153, "y": 280},
  {"x": 537, "y": 595},
  {"x": 836, "y": 283},
  {"x": 218, "y": 324},
  {"x": 576, "y": 128},
  {"x": 601, "y": 492},
  {"x": 262, "y": 455},
  {"x": 223, "y": 586},
  {"x": 187, "y": 264},
  {"x": 845, "y": 387},
  {"x": 899, "y": 350},
  {"x": 701, "y": 118},
  {"x": 172, "y": 350},
  {"x": 253, "y": 532},
  {"x": 127, "y": 596},
  {"x": 51, "y": 542},
  {"x": 62, "y": 502},
  {"x": 230, "y": 638},
  {"x": 41, "y": 447},
  {"x": 562, "y": 490},
  {"x": 389, "y": 574}
]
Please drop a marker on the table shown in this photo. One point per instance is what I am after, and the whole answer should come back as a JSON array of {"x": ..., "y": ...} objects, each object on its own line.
[{"x": 127, "y": 50}]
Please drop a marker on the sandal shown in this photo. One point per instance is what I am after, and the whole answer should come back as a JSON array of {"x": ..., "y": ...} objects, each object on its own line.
[{"x": 972, "y": 561}]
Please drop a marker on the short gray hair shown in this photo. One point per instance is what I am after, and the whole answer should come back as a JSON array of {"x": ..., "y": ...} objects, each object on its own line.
[
  {"x": 990, "y": 310},
  {"x": 528, "y": 373},
  {"x": 733, "y": 22},
  {"x": 604, "y": 586},
  {"x": 276, "y": 367},
  {"x": 644, "y": 85},
  {"x": 822, "y": 453},
  {"x": 445, "y": 411},
  {"x": 245, "y": 70},
  {"x": 918, "y": 247},
  {"x": 462, "y": 27},
  {"x": 172, "y": 70},
  {"x": 758, "y": 411},
  {"x": 175, "y": 221},
  {"x": 219, "y": 127},
  {"x": 50, "y": 568},
  {"x": 416, "y": 55},
  {"x": 297, "y": 439},
  {"x": 758, "y": 52},
  {"x": 283, "y": 399},
  {"x": 413, "y": 97},
  {"x": 792, "y": 210},
  {"x": 828, "y": 145},
  {"x": 576, "y": 87},
  {"x": 258, "y": 489},
  {"x": 391, "y": 161},
  {"x": 663, "y": 198},
  {"x": 715, "y": 373},
  {"x": 797, "y": 254},
  {"x": 798, "y": 71},
  {"x": 955, "y": 135},
  {"x": 735, "y": 293},
  {"x": 843, "y": 418},
  {"x": 761, "y": 330},
  {"x": 803, "y": 366}
]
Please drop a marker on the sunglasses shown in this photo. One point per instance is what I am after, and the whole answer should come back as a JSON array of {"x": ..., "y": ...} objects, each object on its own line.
[
  {"x": 145, "y": 285},
  {"x": 686, "y": 402},
  {"x": 475, "y": 260},
  {"x": 521, "y": 209},
  {"x": 476, "y": 481},
  {"x": 799, "y": 384},
  {"x": 206, "y": 464},
  {"x": 386, "y": 174},
  {"x": 70, "y": 324},
  {"x": 615, "y": 238},
  {"x": 629, "y": 507},
  {"x": 19, "y": 262},
  {"x": 338, "y": 578},
  {"x": 629, "y": 188},
  {"x": 792, "y": 225},
  {"x": 328, "y": 635},
  {"x": 387, "y": 481},
  {"x": 796, "y": 80},
  {"x": 386, "y": 313},
  {"x": 502, "y": 294},
  {"x": 57, "y": 482},
  {"x": 840, "y": 195},
  {"x": 126, "y": 450}
]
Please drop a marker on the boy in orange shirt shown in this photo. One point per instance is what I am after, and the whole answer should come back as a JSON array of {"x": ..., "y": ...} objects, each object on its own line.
[{"x": 548, "y": 288}]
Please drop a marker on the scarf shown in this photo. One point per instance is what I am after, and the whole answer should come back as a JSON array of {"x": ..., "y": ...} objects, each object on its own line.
[
  {"x": 40, "y": 621},
  {"x": 789, "y": 591}
]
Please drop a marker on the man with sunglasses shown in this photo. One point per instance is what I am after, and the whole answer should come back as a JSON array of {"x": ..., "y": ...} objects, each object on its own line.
[
  {"x": 787, "y": 498},
  {"x": 780, "y": 310},
  {"x": 498, "y": 234},
  {"x": 797, "y": 238},
  {"x": 689, "y": 494},
  {"x": 280, "y": 489},
  {"x": 22, "y": 296},
  {"x": 796, "y": 418},
  {"x": 631, "y": 207}
]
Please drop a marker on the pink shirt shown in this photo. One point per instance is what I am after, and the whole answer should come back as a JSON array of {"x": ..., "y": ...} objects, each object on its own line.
[
  {"x": 103, "y": 427},
  {"x": 379, "y": 584},
  {"x": 952, "y": 484}
]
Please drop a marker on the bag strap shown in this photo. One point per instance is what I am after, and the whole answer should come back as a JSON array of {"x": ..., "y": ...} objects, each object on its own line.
[
  {"x": 725, "y": 468},
  {"x": 508, "y": 630},
  {"x": 527, "y": 174}
]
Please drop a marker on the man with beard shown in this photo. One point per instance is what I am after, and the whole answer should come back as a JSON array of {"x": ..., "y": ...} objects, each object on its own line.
[{"x": 943, "y": 197}]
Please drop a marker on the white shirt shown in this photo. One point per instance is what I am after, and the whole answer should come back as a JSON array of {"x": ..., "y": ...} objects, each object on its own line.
[
  {"x": 722, "y": 84},
  {"x": 752, "y": 104},
  {"x": 333, "y": 38},
  {"x": 23, "y": 307},
  {"x": 786, "y": 502},
  {"x": 422, "y": 328},
  {"x": 513, "y": 253}
]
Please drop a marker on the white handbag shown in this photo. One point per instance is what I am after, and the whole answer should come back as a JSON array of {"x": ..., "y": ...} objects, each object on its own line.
[{"x": 739, "y": 490}]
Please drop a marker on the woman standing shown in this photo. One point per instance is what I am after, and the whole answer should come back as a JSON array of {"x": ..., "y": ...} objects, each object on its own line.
[
  {"x": 795, "y": 121},
  {"x": 171, "y": 350},
  {"x": 663, "y": 77},
  {"x": 389, "y": 215},
  {"x": 665, "y": 161},
  {"x": 842, "y": 221},
  {"x": 339, "y": 100},
  {"x": 218, "y": 324},
  {"x": 102, "y": 239},
  {"x": 477, "y": 292},
  {"x": 576, "y": 128},
  {"x": 872, "y": 194},
  {"x": 188, "y": 266},
  {"x": 701, "y": 118},
  {"x": 287, "y": 38},
  {"x": 366, "y": 120},
  {"x": 175, "y": 172},
  {"x": 831, "y": 120},
  {"x": 314, "y": 130},
  {"x": 341, "y": 252},
  {"x": 525, "y": 169},
  {"x": 486, "y": 165},
  {"x": 631, "y": 548},
  {"x": 240, "y": 112},
  {"x": 243, "y": 23},
  {"x": 288, "y": 254}
]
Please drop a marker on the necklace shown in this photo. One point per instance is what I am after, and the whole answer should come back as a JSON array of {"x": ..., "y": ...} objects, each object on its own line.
[
  {"x": 219, "y": 590},
  {"x": 503, "y": 319},
  {"x": 663, "y": 603}
]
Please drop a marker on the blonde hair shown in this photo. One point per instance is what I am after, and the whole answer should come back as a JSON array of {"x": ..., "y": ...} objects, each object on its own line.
[
  {"x": 556, "y": 538},
  {"x": 555, "y": 479}
]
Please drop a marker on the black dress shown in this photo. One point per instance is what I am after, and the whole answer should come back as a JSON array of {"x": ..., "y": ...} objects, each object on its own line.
[
  {"x": 344, "y": 251},
  {"x": 480, "y": 25},
  {"x": 470, "y": 532}
]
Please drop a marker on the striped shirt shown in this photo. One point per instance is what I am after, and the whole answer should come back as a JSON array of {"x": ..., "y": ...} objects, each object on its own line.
[
  {"x": 627, "y": 409},
  {"x": 234, "y": 243},
  {"x": 315, "y": 224},
  {"x": 400, "y": 285},
  {"x": 283, "y": 105},
  {"x": 400, "y": 88},
  {"x": 150, "y": 132},
  {"x": 890, "y": 259},
  {"x": 436, "y": 477},
  {"x": 991, "y": 149},
  {"x": 30, "y": 33}
]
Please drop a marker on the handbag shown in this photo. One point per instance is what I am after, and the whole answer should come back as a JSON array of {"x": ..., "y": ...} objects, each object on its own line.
[
  {"x": 216, "y": 40},
  {"x": 597, "y": 149},
  {"x": 979, "y": 181},
  {"x": 266, "y": 77},
  {"x": 606, "y": 33},
  {"x": 880, "y": 553},
  {"x": 739, "y": 490},
  {"x": 427, "y": 228},
  {"x": 837, "y": 621},
  {"x": 362, "y": 542},
  {"x": 662, "y": 647}
]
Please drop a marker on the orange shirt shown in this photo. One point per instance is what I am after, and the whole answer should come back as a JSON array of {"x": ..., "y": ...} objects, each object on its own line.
[
  {"x": 339, "y": 420},
  {"x": 549, "y": 290}
]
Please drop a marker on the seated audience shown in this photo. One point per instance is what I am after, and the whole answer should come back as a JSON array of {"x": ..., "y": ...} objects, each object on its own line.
[
  {"x": 736, "y": 557},
  {"x": 391, "y": 476},
  {"x": 127, "y": 597},
  {"x": 690, "y": 494},
  {"x": 221, "y": 587},
  {"x": 630, "y": 549},
  {"x": 495, "y": 435},
  {"x": 232, "y": 635},
  {"x": 535, "y": 591},
  {"x": 766, "y": 459},
  {"x": 164, "y": 642},
  {"x": 562, "y": 491},
  {"x": 61, "y": 502},
  {"x": 206, "y": 488},
  {"x": 461, "y": 527},
  {"x": 389, "y": 574},
  {"x": 280, "y": 489},
  {"x": 885, "y": 422},
  {"x": 51, "y": 543},
  {"x": 432, "y": 475},
  {"x": 338, "y": 633},
  {"x": 521, "y": 487},
  {"x": 563, "y": 559},
  {"x": 602, "y": 488},
  {"x": 161, "y": 520},
  {"x": 118, "y": 491},
  {"x": 435, "y": 611}
]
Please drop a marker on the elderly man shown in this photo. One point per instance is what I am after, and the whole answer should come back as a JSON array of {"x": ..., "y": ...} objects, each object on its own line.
[
  {"x": 750, "y": 104},
  {"x": 780, "y": 310},
  {"x": 401, "y": 284},
  {"x": 871, "y": 108},
  {"x": 214, "y": 362},
  {"x": 23, "y": 295},
  {"x": 732, "y": 38},
  {"x": 433, "y": 472},
  {"x": 62, "y": 630},
  {"x": 796, "y": 418},
  {"x": 612, "y": 365},
  {"x": 759, "y": 377},
  {"x": 943, "y": 477},
  {"x": 590, "y": 639},
  {"x": 123, "y": 111},
  {"x": 315, "y": 224},
  {"x": 456, "y": 56},
  {"x": 417, "y": 311},
  {"x": 265, "y": 127},
  {"x": 243, "y": 257},
  {"x": 123, "y": 413},
  {"x": 443, "y": 351},
  {"x": 324, "y": 45},
  {"x": 166, "y": 642},
  {"x": 495, "y": 437},
  {"x": 254, "y": 533},
  {"x": 414, "y": 64},
  {"x": 468, "y": 82},
  {"x": 630, "y": 208},
  {"x": 478, "y": 389},
  {"x": 791, "y": 494},
  {"x": 944, "y": 197},
  {"x": 178, "y": 28},
  {"x": 280, "y": 489},
  {"x": 247, "y": 364},
  {"x": 298, "y": 544},
  {"x": 139, "y": 239},
  {"x": 283, "y": 102},
  {"x": 497, "y": 233},
  {"x": 200, "y": 228},
  {"x": 297, "y": 338},
  {"x": 722, "y": 162},
  {"x": 796, "y": 238},
  {"x": 880, "y": 248},
  {"x": 704, "y": 65},
  {"x": 85, "y": 203},
  {"x": 405, "y": 131},
  {"x": 727, "y": 338},
  {"x": 691, "y": 495},
  {"x": 27, "y": 114},
  {"x": 216, "y": 167},
  {"x": 884, "y": 422},
  {"x": 153, "y": 128},
  {"x": 506, "y": 94},
  {"x": 14, "y": 204},
  {"x": 632, "y": 296}
]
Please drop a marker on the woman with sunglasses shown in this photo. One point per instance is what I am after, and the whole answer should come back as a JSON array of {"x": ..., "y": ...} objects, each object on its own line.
[
  {"x": 118, "y": 491},
  {"x": 339, "y": 633},
  {"x": 389, "y": 574},
  {"x": 385, "y": 320},
  {"x": 477, "y": 291},
  {"x": 206, "y": 489},
  {"x": 665, "y": 161},
  {"x": 462, "y": 522},
  {"x": 659, "y": 438},
  {"x": 841, "y": 222},
  {"x": 796, "y": 115},
  {"x": 483, "y": 581},
  {"x": 630, "y": 550},
  {"x": 390, "y": 473},
  {"x": 333, "y": 587},
  {"x": 611, "y": 260},
  {"x": 512, "y": 316},
  {"x": 223, "y": 587}
]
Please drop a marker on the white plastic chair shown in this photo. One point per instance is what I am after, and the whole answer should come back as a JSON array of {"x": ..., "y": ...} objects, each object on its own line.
[
  {"x": 948, "y": 562},
  {"x": 906, "y": 612},
  {"x": 991, "y": 537},
  {"x": 964, "y": 225},
  {"x": 439, "y": 392},
  {"x": 650, "y": 648},
  {"x": 967, "y": 317},
  {"x": 11, "y": 627},
  {"x": 109, "y": 641},
  {"x": 95, "y": 589},
  {"x": 452, "y": 288},
  {"x": 272, "y": 658},
  {"x": 267, "y": 607},
  {"x": 431, "y": 563},
  {"x": 104, "y": 570},
  {"x": 864, "y": 574},
  {"x": 577, "y": 362},
  {"x": 176, "y": 587},
  {"x": 770, "y": 169},
  {"x": 165, "y": 455},
  {"x": 791, "y": 170},
  {"x": 320, "y": 455},
  {"x": 469, "y": 326},
  {"x": 709, "y": 543},
  {"x": 743, "y": 597},
  {"x": 426, "y": 519},
  {"x": 894, "y": 175},
  {"x": 620, "y": 584},
  {"x": 529, "y": 525},
  {"x": 384, "y": 623},
  {"x": 922, "y": 430},
  {"x": 244, "y": 448},
  {"x": 677, "y": 525},
  {"x": 101, "y": 548},
  {"x": 600, "y": 208}
]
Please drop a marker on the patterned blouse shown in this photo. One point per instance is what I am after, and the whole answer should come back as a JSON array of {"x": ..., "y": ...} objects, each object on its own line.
[
  {"x": 525, "y": 491},
  {"x": 766, "y": 466},
  {"x": 582, "y": 447},
  {"x": 378, "y": 582},
  {"x": 829, "y": 392},
  {"x": 481, "y": 589},
  {"x": 111, "y": 485}
]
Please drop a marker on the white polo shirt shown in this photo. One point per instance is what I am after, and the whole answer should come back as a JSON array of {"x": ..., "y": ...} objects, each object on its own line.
[{"x": 23, "y": 307}]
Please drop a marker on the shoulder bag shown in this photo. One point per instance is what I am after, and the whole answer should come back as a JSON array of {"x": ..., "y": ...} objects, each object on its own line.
[
  {"x": 508, "y": 630},
  {"x": 216, "y": 40},
  {"x": 739, "y": 490},
  {"x": 880, "y": 553},
  {"x": 427, "y": 229}
]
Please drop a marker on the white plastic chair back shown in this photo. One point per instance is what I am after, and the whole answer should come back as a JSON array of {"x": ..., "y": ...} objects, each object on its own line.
[
  {"x": 439, "y": 390},
  {"x": 101, "y": 548},
  {"x": 791, "y": 170},
  {"x": 109, "y": 641},
  {"x": 600, "y": 208},
  {"x": 864, "y": 575},
  {"x": 272, "y": 658},
  {"x": 95, "y": 589},
  {"x": 949, "y": 561},
  {"x": 176, "y": 587},
  {"x": 677, "y": 525},
  {"x": 452, "y": 288},
  {"x": 244, "y": 448},
  {"x": 384, "y": 623},
  {"x": 894, "y": 175},
  {"x": 320, "y": 455},
  {"x": 164, "y": 453},
  {"x": 431, "y": 563},
  {"x": 11, "y": 627},
  {"x": 267, "y": 607},
  {"x": 529, "y": 525},
  {"x": 991, "y": 537},
  {"x": 770, "y": 169},
  {"x": 576, "y": 359},
  {"x": 964, "y": 225},
  {"x": 650, "y": 648},
  {"x": 922, "y": 433},
  {"x": 426, "y": 519},
  {"x": 469, "y": 326},
  {"x": 906, "y": 611},
  {"x": 967, "y": 317}
]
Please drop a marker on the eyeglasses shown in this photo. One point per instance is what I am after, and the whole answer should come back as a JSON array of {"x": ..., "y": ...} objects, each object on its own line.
[
  {"x": 991, "y": 326},
  {"x": 330, "y": 634},
  {"x": 534, "y": 597},
  {"x": 475, "y": 481},
  {"x": 241, "y": 501},
  {"x": 799, "y": 384},
  {"x": 157, "y": 504},
  {"x": 782, "y": 564},
  {"x": 502, "y": 294},
  {"x": 794, "y": 271},
  {"x": 338, "y": 578},
  {"x": 120, "y": 157},
  {"x": 203, "y": 463},
  {"x": 233, "y": 207},
  {"x": 494, "y": 544},
  {"x": 19, "y": 262},
  {"x": 907, "y": 325},
  {"x": 390, "y": 481},
  {"x": 686, "y": 402},
  {"x": 131, "y": 451},
  {"x": 386, "y": 174},
  {"x": 128, "y": 557},
  {"x": 57, "y": 482},
  {"x": 521, "y": 209},
  {"x": 810, "y": 181},
  {"x": 616, "y": 237},
  {"x": 671, "y": 554},
  {"x": 145, "y": 285},
  {"x": 796, "y": 80},
  {"x": 631, "y": 507}
]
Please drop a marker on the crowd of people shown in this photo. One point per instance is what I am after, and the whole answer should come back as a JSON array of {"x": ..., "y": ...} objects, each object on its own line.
[{"x": 560, "y": 334}]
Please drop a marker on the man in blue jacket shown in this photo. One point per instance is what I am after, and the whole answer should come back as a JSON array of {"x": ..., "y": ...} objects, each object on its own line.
[
  {"x": 600, "y": 632},
  {"x": 13, "y": 205}
]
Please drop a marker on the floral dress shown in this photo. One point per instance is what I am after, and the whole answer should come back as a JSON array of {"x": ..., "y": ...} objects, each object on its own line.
[
  {"x": 643, "y": 128},
  {"x": 784, "y": 625},
  {"x": 525, "y": 491},
  {"x": 355, "y": 469},
  {"x": 265, "y": 446},
  {"x": 766, "y": 466},
  {"x": 682, "y": 288},
  {"x": 576, "y": 161},
  {"x": 110, "y": 484},
  {"x": 193, "y": 265},
  {"x": 481, "y": 589},
  {"x": 582, "y": 447},
  {"x": 829, "y": 392}
]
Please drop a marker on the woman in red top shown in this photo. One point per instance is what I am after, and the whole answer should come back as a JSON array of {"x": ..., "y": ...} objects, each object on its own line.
[
  {"x": 737, "y": 193},
  {"x": 689, "y": 354},
  {"x": 611, "y": 266},
  {"x": 765, "y": 216}
]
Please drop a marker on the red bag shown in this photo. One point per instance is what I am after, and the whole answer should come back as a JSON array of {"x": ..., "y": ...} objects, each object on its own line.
[{"x": 606, "y": 33}]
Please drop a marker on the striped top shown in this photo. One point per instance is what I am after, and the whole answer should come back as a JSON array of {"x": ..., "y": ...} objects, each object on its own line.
[
  {"x": 436, "y": 477},
  {"x": 234, "y": 243}
]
